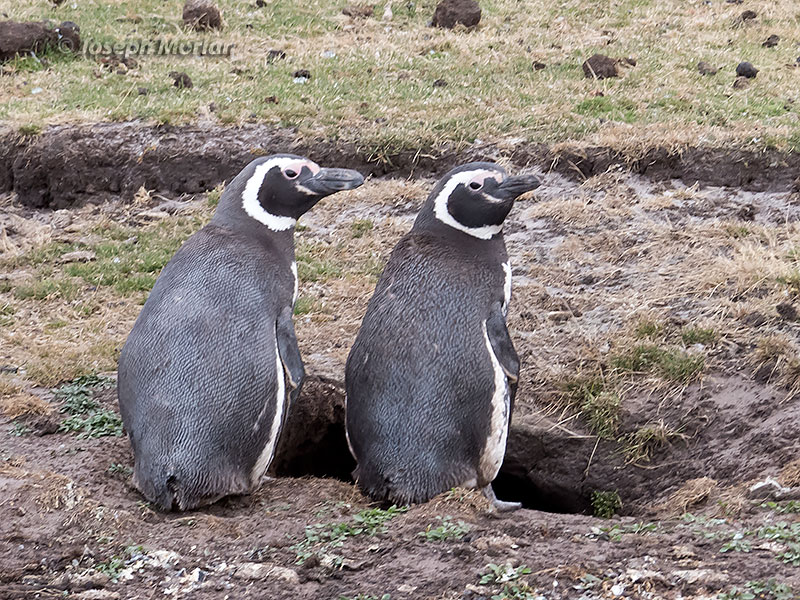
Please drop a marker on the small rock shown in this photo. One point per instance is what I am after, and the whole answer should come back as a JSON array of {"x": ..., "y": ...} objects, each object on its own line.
[
  {"x": 182, "y": 80},
  {"x": 24, "y": 37},
  {"x": 89, "y": 581},
  {"x": 263, "y": 571},
  {"x": 706, "y": 69},
  {"x": 274, "y": 55},
  {"x": 61, "y": 582},
  {"x": 734, "y": 1},
  {"x": 97, "y": 595},
  {"x": 69, "y": 38},
  {"x": 601, "y": 67},
  {"x": 440, "y": 83},
  {"x": 769, "y": 488},
  {"x": 740, "y": 83},
  {"x": 787, "y": 311},
  {"x": 271, "y": 99},
  {"x": 143, "y": 91},
  {"x": 301, "y": 74},
  {"x": 747, "y": 212},
  {"x": 771, "y": 41},
  {"x": 748, "y": 15},
  {"x": 746, "y": 69},
  {"x": 450, "y": 13},
  {"x": 359, "y": 11},
  {"x": 61, "y": 218},
  {"x": 77, "y": 256},
  {"x": 538, "y": 66},
  {"x": 260, "y": 3},
  {"x": 201, "y": 15},
  {"x": 707, "y": 576}
]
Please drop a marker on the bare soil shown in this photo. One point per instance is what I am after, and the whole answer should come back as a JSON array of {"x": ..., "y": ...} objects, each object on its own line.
[{"x": 592, "y": 261}]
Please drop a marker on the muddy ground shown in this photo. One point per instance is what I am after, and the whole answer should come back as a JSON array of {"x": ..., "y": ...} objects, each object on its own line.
[{"x": 601, "y": 266}]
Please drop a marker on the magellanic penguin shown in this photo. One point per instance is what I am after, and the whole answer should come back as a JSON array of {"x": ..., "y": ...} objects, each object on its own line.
[
  {"x": 212, "y": 365},
  {"x": 432, "y": 375}
]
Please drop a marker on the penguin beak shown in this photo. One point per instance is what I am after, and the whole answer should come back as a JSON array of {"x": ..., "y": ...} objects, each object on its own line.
[
  {"x": 330, "y": 181},
  {"x": 513, "y": 187}
]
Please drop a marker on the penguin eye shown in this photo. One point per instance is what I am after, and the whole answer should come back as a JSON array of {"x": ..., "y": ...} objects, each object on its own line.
[
  {"x": 290, "y": 173},
  {"x": 474, "y": 185}
]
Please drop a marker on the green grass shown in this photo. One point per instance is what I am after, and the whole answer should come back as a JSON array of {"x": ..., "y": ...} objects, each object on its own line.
[
  {"x": 372, "y": 81},
  {"x": 313, "y": 263},
  {"x": 672, "y": 364},
  {"x": 599, "y": 404},
  {"x": 770, "y": 589},
  {"x": 49, "y": 288},
  {"x": 361, "y": 227},
  {"x": 305, "y": 305},
  {"x": 698, "y": 335}
]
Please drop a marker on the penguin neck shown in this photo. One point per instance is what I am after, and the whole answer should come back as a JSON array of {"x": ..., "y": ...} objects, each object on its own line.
[
  {"x": 427, "y": 224},
  {"x": 235, "y": 219}
]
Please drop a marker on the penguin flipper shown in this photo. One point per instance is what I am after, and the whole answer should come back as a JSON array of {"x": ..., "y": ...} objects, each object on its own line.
[{"x": 290, "y": 353}]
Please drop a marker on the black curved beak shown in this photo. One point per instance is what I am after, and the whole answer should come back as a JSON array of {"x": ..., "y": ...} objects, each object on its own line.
[
  {"x": 513, "y": 187},
  {"x": 330, "y": 181}
]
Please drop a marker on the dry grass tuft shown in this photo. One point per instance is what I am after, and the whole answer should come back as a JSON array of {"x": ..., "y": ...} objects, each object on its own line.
[
  {"x": 23, "y": 405},
  {"x": 790, "y": 474},
  {"x": 692, "y": 493}
]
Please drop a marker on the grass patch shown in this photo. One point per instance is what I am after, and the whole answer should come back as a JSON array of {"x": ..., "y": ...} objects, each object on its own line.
[
  {"x": 314, "y": 264},
  {"x": 770, "y": 589},
  {"x": 672, "y": 364},
  {"x": 698, "y": 335},
  {"x": 305, "y": 305},
  {"x": 640, "y": 445},
  {"x": 599, "y": 405},
  {"x": 361, "y": 227},
  {"x": 48, "y": 289}
]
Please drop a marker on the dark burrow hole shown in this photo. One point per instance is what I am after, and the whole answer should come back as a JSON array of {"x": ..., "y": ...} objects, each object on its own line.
[{"x": 314, "y": 444}]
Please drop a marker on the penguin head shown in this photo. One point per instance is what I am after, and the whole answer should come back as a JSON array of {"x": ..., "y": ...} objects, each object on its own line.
[
  {"x": 276, "y": 190},
  {"x": 476, "y": 198}
]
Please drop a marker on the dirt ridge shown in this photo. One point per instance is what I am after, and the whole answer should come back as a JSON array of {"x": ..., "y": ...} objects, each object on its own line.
[{"x": 68, "y": 165}]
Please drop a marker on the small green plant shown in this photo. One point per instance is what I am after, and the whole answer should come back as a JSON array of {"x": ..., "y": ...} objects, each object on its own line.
[
  {"x": 605, "y": 504},
  {"x": 513, "y": 588},
  {"x": 445, "y": 531},
  {"x": 787, "y": 506},
  {"x": 698, "y": 335},
  {"x": 97, "y": 424},
  {"x": 762, "y": 590},
  {"x": 322, "y": 538},
  {"x": 361, "y": 227},
  {"x": 737, "y": 543},
  {"x": 119, "y": 469},
  {"x": 77, "y": 396},
  {"x": 114, "y": 564},
  {"x": 639, "y": 445},
  {"x": 615, "y": 532},
  {"x": 86, "y": 416},
  {"x": 20, "y": 429}
]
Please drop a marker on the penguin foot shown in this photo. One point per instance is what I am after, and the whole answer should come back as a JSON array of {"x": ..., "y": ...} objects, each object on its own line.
[{"x": 499, "y": 505}]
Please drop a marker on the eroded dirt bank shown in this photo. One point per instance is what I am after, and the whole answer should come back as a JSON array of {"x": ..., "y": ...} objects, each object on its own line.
[{"x": 69, "y": 164}]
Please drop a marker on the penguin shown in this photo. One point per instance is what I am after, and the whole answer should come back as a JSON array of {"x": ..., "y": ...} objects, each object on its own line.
[
  {"x": 432, "y": 375},
  {"x": 211, "y": 366}
]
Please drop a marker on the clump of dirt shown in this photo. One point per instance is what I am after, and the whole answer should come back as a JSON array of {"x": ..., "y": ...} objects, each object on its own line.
[
  {"x": 18, "y": 38},
  {"x": 450, "y": 13},
  {"x": 201, "y": 15}
]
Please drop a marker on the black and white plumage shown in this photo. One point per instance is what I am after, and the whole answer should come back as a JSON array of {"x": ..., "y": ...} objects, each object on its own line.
[
  {"x": 432, "y": 375},
  {"x": 211, "y": 366}
]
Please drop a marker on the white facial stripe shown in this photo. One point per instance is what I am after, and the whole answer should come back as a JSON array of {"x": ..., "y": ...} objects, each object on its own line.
[
  {"x": 440, "y": 203},
  {"x": 250, "y": 202},
  {"x": 506, "y": 287}
]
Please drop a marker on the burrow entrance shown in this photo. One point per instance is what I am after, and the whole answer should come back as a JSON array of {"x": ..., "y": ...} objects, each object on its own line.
[{"x": 314, "y": 444}]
